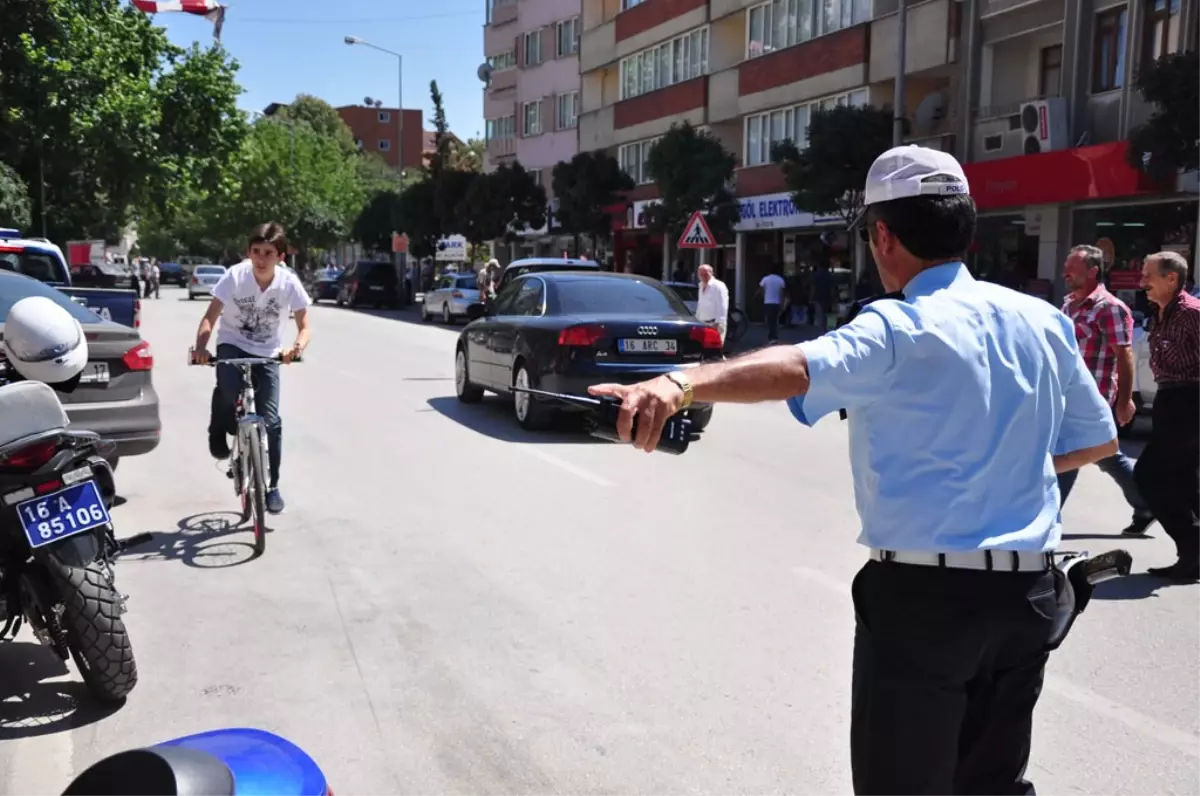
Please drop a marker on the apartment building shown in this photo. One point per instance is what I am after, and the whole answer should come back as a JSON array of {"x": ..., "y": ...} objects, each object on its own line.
[
  {"x": 377, "y": 129},
  {"x": 531, "y": 100},
  {"x": 1053, "y": 103},
  {"x": 752, "y": 73}
]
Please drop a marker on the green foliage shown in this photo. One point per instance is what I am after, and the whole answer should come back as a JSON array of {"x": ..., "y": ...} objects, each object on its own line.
[
  {"x": 374, "y": 225},
  {"x": 693, "y": 171},
  {"x": 418, "y": 219},
  {"x": 1167, "y": 142},
  {"x": 95, "y": 98},
  {"x": 322, "y": 117},
  {"x": 828, "y": 176},
  {"x": 584, "y": 186},
  {"x": 441, "y": 136},
  {"x": 15, "y": 207}
]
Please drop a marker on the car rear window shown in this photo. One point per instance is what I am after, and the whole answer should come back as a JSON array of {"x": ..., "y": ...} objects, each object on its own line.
[
  {"x": 467, "y": 283},
  {"x": 211, "y": 270},
  {"x": 685, "y": 292},
  {"x": 15, "y": 288},
  {"x": 615, "y": 297},
  {"x": 376, "y": 272},
  {"x": 40, "y": 265}
]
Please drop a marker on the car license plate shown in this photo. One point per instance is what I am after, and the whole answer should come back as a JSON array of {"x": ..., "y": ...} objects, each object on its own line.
[
  {"x": 64, "y": 513},
  {"x": 376, "y": 287},
  {"x": 639, "y": 346},
  {"x": 95, "y": 373}
]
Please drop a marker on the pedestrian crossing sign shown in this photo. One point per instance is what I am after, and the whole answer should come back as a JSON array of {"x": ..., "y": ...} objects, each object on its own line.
[{"x": 697, "y": 235}]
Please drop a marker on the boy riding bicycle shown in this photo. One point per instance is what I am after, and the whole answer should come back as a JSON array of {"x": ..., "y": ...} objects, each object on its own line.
[{"x": 258, "y": 296}]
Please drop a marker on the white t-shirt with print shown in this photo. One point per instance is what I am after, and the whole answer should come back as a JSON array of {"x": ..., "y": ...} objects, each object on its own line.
[
  {"x": 773, "y": 286},
  {"x": 252, "y": 318}
]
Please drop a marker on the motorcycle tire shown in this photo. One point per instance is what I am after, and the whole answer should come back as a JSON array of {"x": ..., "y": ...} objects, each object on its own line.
[{"x": 96, "y": 633}]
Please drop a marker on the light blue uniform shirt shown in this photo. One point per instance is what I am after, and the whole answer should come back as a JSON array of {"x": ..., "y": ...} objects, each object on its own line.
[{"x": 957, "y": 397}]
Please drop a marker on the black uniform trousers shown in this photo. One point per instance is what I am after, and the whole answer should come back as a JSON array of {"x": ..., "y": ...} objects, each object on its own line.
[
  {"x": 1168, "y": 471},
  {"x": 948, "y": 666}
]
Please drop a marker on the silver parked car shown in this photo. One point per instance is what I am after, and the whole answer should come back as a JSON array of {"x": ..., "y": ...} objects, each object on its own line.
[
  {"x": 204, "y": 278},
  {"x": 450, "y": 297},
  {"x": 1144, "y": 385}
]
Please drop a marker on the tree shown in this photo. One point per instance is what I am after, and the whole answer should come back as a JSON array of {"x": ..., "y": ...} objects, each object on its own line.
[
  {"x": 321, "y": 117},
  {"x": 441, "y": 133},
  {"x": 468, "y": 155},
  {"x": 15, "y": 208},
  {"x": 693, "y": 171},
  {"x": 584, "y": 187},
  {"x": 99, "y": 107},
  {"x": 1167, "y": 142},
  {"x": 828, "y": 176},
  {"x": 417, "y": 218}
]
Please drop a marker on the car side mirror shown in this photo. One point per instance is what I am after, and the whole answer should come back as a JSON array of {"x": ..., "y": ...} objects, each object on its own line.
[{"x": 476, "y": 311}]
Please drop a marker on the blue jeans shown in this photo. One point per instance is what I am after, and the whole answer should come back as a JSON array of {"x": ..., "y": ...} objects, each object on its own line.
[
  {"x": 1119, "y": 467},
  {"x": 266, "y": 398}
]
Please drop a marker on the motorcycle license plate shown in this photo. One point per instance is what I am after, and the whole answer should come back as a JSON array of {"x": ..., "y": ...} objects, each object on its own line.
[{"x": 64, "y": 513}]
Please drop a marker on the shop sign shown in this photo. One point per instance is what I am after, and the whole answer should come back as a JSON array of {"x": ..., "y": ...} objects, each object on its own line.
[
  {"x": 777, "y": 211},
  {"x": 451, "y": 249},
  {"x": 638, "y": 213}
]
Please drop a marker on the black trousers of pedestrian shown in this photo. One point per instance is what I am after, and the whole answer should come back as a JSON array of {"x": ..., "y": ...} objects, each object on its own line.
[
  {"x": 771, "y": 311},
  {"x": 948, "y": 666},
  {"x": 1168, "y": 471}
]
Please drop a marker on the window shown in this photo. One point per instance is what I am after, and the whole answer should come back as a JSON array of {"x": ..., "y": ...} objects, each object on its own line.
[
  {"x": 682, "y": 58},
  {"x": 492, "y": 5},
  {"x": 1108, "y": 50},
  {"x": 568, "y": 37},
  {"x": 358, "y": 142},
  {"x": 765, "y": 130},
  {"x": 601, "y": 296},
  {"x": 1050, "y": 71},
  {"x": 533, "y": 47},
  {"x": 535, "y": 175},
  {"x": 1161, "y": 31},
  {"x": 503, "y": 128},
  {"x": 628, "y": 4},
  {"x": 632, "y": 158},
  {"x": 567, "y": 111},
  {"x": 505, "y": 60},
  {"x": 778, "y": 24},
  {"x": 527, "y": 300},
  {"x": 384, "y": 145},
  {"x": 384, "y": 117},
  {"x": 531, "y": 114}
]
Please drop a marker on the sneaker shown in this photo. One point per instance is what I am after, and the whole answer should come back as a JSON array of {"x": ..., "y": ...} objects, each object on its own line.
[
  {"x": 218, "y": 445},
  {"x": 1138, "y": 526},
  {"x": 274, "y": 501}
]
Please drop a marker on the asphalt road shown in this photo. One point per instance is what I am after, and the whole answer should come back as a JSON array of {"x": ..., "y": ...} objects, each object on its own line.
[{"x": 452, "y": 606}]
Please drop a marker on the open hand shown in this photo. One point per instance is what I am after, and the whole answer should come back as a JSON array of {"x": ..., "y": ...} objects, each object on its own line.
[{"x": 652, "y": 402}]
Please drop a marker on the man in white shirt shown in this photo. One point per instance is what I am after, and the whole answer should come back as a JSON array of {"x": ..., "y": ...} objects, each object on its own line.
[
  {"x": 251, "y": 302},
  {"x": 712, "y": 300},
  {"x": 773, "y": 287}
]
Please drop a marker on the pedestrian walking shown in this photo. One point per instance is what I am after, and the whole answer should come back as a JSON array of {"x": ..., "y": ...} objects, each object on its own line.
[
  {"x": 1104, "y": 330},
  {"x": 712, "y": 301},
  {"x": 964, "y": 400},
  {"x": 773, "y": 287},
  {"x": 155, "y": 278},
  {"x": 1168, "y": 471}
]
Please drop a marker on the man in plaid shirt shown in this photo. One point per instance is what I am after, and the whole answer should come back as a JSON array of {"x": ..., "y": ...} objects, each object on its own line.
[{"x": 1104, "y": 329}]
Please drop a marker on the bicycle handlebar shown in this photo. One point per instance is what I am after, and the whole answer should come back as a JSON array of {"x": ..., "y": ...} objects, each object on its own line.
[{"x": 214, "y": 360}]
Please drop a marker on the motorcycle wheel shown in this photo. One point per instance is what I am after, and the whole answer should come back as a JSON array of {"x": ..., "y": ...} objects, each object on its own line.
[{"x": 96, "y": 633}]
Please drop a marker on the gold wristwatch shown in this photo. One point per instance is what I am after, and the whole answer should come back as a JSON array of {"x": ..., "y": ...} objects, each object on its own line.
[{"x": 684, "y": 383}]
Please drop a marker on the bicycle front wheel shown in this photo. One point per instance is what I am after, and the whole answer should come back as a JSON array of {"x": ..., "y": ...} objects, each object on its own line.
[
  {"x": 737, "y": 326},
  {"x": 255, "y": 495}
]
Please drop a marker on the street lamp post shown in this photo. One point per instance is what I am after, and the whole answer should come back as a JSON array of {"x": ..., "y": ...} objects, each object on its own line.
[{"x": 352, "y": 40}]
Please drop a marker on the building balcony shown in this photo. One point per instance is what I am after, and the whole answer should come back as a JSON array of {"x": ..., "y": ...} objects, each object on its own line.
[
  {"x": 499, "y": 148},
  {"x": 1026, "y": 127},
  {"x": 502, "y": 81},
  {"x": 502, "y": 12},
  {"x": 597, "y": 47},
  {"x": 666, "y": 102},
  {"x": 992, "y": 8},
  {"x": 596, "y": 129},
  {"x": 931, "y": 34}
]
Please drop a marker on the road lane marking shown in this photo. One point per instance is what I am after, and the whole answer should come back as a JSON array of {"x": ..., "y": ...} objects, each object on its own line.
[
  {"x": 1177, "y": 739},
  {"x": 563, "y": 464}
]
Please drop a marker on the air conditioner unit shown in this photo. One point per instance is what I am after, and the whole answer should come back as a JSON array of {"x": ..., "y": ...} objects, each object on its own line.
[{"x": 1042, "y": 126}]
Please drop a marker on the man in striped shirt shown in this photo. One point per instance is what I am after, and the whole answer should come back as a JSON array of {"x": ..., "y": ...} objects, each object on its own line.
[
  {"x": 1104, "y": 329},
  {"x": 1168, "y": 471}
]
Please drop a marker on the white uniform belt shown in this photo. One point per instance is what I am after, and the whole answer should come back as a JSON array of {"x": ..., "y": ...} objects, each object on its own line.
[{"x": 987, "y": 560}]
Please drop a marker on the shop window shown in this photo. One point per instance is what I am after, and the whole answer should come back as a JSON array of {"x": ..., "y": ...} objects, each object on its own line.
[
  {"x": 1160, "y": 34},
  {"x": 1050, "y": 71},
  {"x": 1108, "y": 50}
]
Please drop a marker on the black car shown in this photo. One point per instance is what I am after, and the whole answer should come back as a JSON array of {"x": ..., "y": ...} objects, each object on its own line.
[
  {"x": 564, "y": 331},
  {"x": 172, "y": 274},
  {"x": 369, "y": 283},
  {"x": 326, "y": 284}
]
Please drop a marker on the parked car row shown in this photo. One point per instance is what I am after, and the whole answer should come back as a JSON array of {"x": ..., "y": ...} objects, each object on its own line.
[{"x": 364, "y": 283}]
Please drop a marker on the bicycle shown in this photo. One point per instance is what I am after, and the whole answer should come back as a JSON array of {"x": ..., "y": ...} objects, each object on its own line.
[
  {"x": 736, "y": 325},
  {"x": 248, "y": 454}
]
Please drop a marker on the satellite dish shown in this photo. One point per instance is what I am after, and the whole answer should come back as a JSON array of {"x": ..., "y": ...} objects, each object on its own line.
[
  {"x": 929, "y": 113},
  {"x": 484, "y": 73}
]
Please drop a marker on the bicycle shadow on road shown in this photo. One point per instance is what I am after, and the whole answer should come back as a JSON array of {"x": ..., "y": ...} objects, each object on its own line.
[
  {"x": 32, "y": 704},
  {"x": 201, "y": 541},
  {"x": 494, "y": 417},
  {"x": 1135, "y": 586}
]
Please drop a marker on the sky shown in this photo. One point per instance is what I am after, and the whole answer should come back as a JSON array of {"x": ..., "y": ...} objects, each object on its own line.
[{"x": 290, "y": 47}]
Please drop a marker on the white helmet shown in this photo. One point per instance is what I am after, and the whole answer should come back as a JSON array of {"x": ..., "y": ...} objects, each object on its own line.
[{"x": 43, "y": 342}]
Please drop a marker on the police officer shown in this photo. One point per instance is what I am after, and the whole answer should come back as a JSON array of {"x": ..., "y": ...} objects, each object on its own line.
[{"x": 964, "y": 400}]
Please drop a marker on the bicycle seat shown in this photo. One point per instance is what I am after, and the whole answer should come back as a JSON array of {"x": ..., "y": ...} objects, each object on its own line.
[
  {"x": 29, "y": 408},
  {"x": 161, "y": 771}
]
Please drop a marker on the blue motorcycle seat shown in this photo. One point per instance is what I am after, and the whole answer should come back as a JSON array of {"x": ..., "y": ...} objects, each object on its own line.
[{"x": 161, "y": 771}]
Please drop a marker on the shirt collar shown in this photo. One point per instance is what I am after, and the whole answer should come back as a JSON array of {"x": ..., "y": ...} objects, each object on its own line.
[{"x": 936, "y": 278}]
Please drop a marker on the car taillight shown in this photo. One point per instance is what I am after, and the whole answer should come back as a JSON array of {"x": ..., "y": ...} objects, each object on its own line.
[
  {"x": 706, "y": 336},
  {"x": 456, "y": 294},
  {"x": 140, "y": 357},
  {"x": 583, "y": 336},
  {"x": 32, "y": 456},
  {"x": 137, "y": 313}
]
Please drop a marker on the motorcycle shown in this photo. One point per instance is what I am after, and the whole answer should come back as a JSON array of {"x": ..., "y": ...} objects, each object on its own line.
[
  {"x": 216, "y": 763},
  {"x": 56, "y": 538}
]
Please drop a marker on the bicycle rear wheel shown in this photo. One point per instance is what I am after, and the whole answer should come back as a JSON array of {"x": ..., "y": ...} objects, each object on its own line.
[
  {"x": 255, "y": 495},
  {"x": 736, "y": 327}
]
